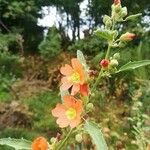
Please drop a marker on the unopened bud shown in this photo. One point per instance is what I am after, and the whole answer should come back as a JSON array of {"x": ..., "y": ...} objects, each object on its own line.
[
  {"x": 114, "y": 63},
  {"x": 116, "y": 56},
  {"x": 124, "y": 12},
  {"x": 117, "y": 8},
  {"x": 106, "y": 18},
  {"x": 79, "y": 138},
  {"x": 53, "y": 140},
  {"x": 108, "y": 24},
  {"x": 116, "y": 2},
  {"x": 127, "y": 36},
  {"x": 90, "y": 106},
  {"x": 104, "y": 63}
]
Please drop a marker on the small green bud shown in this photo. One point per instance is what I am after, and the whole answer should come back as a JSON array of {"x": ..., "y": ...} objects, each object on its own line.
[
  {"x": 79, "y": 138},
  {"x": 139, "y": 104},
  {"x": 53, "y": 140},
  {"x": 92, "y": 94},
  {"x": 124, "y": 12},
  {"x": 116, "y": 56},
  {"x": 90, "y": 106},
  {"x": 106, "y": 18},
  {"x": 115, "y": 33},
  {"x": 114, "y": 63},
  {"x": 108, "y": 24},
  {"x": 117, "y": 8}
]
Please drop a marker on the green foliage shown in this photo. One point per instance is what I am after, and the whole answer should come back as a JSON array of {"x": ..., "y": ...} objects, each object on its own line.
[
  {"x": 106, "y": 34},
  {"x": 40, "y": 105},
  {"x": 134, "y": 65},
  {"x": 51, "y": 45},
  {"x": 138, "y": 121},
  {"x": 10, "y": 70},
  {"x": 133, "y": 17},
  {"x": 21, "y": 17},
  {"x": 96, "y": 135},
  {"x": 18, "y": 144},
  {"x": 6, "y": 40},
  {"x": 9, "y": 64},
  {"x": 88, "y": 45}
]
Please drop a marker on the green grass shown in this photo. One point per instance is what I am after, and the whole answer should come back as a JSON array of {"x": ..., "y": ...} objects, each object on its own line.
[
  {"x": 43, "y": 122},
  {"x": 41, "y": 105}
]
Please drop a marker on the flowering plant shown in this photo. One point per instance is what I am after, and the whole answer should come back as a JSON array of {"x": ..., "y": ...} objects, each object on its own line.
[{"x": 78, "y": 87}]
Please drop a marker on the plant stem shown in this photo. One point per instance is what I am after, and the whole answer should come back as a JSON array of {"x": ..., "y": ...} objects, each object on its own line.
[
  {"x": 64, "y": 141},
  {"x": 106, "y": 57},
  {"x": 108, "y": 51},
  {"x": 101, "y": 71}
]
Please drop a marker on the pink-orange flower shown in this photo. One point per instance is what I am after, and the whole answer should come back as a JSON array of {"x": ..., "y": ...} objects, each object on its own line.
[
  {"x": 40, "y": 143},
  {"x": 68, "y": 113},
  {"x": 73, "y": 76},
  {"x": 116, "y": 2},
  {"x": 127, "y": 36}
]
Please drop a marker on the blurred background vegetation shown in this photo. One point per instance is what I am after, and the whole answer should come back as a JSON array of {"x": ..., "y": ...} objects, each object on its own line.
[{"x": 31, "y": 55}]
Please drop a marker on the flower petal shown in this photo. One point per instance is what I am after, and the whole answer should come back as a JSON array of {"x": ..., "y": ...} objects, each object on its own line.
[
  {"x": 66, "y": 86},
  {"x": 79, "y": 107},
  {"x": 84, "y": 89},
  {"x": 69, "y": 101},
  {"x": 75, "y": 89},
  {"x": 75, "y": 122},
  {"x": 58, "y": 110},
  {"x": 63, "y": 121},
  {"x": 76, "y": 64},
  {"x": 66, "y": 70}
]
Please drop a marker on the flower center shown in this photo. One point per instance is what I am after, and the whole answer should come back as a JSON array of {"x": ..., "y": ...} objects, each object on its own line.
[
  {"x": 71, "y": 113},
  {"x": 75, "y": 77}
]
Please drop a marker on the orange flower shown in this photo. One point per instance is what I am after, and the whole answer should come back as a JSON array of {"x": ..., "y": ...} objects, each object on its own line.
[
  {"x": 127, "y": 36},
  {"x": 84, "y": 89},
  {"x": 40, "y": 143},
  {"x": 73, "y": 76},
  {"x": 69, "y": 113}
]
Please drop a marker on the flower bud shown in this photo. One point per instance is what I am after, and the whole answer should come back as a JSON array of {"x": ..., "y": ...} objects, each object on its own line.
[
  {"x": 79, "y": 138},
  {"x": 116, "y": 2},
  {"x": 127, "y": 37},
  {"x": 124, "y": 12},
  {"x": 53, "y": 140},
  {"x": 116, "y": 56},
  {"x": 40, "y": 143},
  {"x": 108, "y": 24},
  {"x": 106, "y": 18},
  {"x": 117, "y": 8},
  {"x": 104, "y": 63},
  {"x": 90, "y": 106},
  {"x": 114, "y": 63}
]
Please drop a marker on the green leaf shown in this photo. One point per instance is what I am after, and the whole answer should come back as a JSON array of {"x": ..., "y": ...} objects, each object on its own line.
[
  {"x": 18, "y": 144},
  {"x": 82, "y": 60},
  {"x": 134, "y": 65},
  {"x": 133, "y": 17},
  {"x": 96, "y": 135},
  {"x": 103, "y": 33}
]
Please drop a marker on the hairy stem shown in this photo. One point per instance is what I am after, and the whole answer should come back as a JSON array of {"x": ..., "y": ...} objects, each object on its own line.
[{"x": 64, "y": 141}]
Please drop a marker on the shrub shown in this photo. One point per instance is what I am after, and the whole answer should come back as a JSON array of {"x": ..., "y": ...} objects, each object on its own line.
[
  {"x": 51, "y": 45},
  {"x": 89, "y": 45}
]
